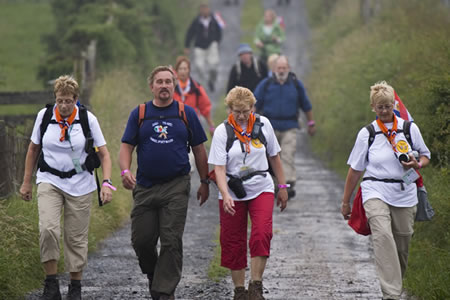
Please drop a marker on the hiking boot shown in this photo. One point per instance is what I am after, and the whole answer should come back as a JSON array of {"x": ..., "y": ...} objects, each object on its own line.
[
  {"x": 155, "y": 295},
  {"x": 74, "y": 291},
  {"x": 255, "y": 290},
  {"x": 167, "y": 297},
  {"x": 51, "y": 290},
  {"x": 240, "y": 293}
]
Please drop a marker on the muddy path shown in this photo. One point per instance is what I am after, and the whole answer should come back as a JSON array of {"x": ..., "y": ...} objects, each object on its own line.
[{"x": 314, "y": 254}]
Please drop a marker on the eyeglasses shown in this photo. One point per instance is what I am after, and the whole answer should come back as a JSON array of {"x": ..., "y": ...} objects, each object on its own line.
[
  {"x": 383, "y": 107},
  {"x": 241, "y": 112},
  {"x": 64, "y": 101}
]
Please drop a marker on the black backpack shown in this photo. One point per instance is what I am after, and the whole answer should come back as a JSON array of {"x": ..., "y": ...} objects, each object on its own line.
[{"x": 372, "y": 133}]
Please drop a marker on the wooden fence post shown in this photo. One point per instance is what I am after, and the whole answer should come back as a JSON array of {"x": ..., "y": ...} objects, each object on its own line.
[{"x": 5, "y": 161}]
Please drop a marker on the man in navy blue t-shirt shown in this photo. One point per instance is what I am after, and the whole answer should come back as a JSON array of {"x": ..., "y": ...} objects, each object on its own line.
[{"x": 162, "y": 184}]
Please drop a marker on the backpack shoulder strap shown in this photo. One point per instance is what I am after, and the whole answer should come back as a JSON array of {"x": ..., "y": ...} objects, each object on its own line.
[
  {"x": 371, "y": 131},
  {"x": 238, "y": 70},
  {"x": 84, "y": 121},
  {"x": 142, "y": 107},
  {"x": 182, "y": 113},
  {"x": 230, "y": 136},
  {"x": 261, "y": 136},
  {"x": 46, "y": 119},
  {"x": 256, "y": 64},
  {"x": 407, "y": 132}
]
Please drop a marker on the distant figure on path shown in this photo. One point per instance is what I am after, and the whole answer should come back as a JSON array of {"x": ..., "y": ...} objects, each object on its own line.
[
  {"x": 389, "y": 203},
  {"x": 164, "y": 131},
  {"x": 191, "y": 93},
  {"x": 206, "y": 33},
  {"x": 246, "y": 189},
  {"x": 248, "y": 71},
  {"x": 280, "y": 99},
  {"x": 66, "y": 134},
  {"x": 269, "y": 35}
]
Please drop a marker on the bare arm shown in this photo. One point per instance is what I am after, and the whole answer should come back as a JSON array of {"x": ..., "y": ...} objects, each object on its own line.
[
  {"x": 201, "y": 162},
  {"x": 105, "y": 159},
  {"x": 351, "y": 181},
  {"x": 125, "y": 158},
  {"x": 309, "y": 117},
  {"x": 221, "y": 179},
  {"x": 26, "y": 190},
  {"x": 282, "y": 196}
]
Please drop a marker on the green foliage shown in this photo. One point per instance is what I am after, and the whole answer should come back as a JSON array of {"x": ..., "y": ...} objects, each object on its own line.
[
  {"x": 407, "y": 45},
  {"x": 21, "y": 25},
  {"x": 252, "y": 14}
]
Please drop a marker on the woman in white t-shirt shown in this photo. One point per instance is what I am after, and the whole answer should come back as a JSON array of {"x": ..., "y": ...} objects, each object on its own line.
[
  {"x": 389, "y": 202},
  {"x": 249, "y": 191},
  {"x": 65, "y": 183}
]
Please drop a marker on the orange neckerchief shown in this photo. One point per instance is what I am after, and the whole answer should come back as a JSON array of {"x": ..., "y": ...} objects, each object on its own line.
[
  {"x": 243, "y": 136},
  {"x": 390, "y": 134},
  {"x": 64, "y": 124}
]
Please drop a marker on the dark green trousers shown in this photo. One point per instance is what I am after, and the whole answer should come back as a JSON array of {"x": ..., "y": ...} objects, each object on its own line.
[{"x": 160, "y": 212}]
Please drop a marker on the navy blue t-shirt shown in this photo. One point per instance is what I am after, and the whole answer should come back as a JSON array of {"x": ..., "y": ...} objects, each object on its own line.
[{"x": 162, "y": 142}]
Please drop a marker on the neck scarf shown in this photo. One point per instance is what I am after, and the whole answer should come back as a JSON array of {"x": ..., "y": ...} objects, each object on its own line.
[
  {"x": 185, "y": 87},
  {"x": 64, "y": 124},
  {"x": 244, "y": 136},
  {"x": 389, "y": 134}
]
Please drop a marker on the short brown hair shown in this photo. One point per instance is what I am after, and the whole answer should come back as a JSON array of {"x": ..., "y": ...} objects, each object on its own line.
[
  {"x": 181, "y": 59},
  {"x": 239, "y": 97},
  {"x": 66, "y": 84},
  {"x": 158, "y": 69}
]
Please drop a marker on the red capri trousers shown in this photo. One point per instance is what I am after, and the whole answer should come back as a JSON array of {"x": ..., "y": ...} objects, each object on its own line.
[{"x": 233, "y": 230}]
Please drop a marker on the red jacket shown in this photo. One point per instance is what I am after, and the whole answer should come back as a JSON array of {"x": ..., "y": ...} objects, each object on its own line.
[{"x": 195, "y": 98}]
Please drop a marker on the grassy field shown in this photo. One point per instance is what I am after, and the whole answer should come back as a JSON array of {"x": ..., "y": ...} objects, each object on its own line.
[
  {"x": 407, "y": 45},
  {"x": 22, "y": 24}
]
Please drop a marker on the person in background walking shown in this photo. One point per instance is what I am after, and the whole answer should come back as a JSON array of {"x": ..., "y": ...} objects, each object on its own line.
[
  {"x": 163, "y": 134},
  {"x": 250, "y": 156},
  {"x": 269, "y": 35},
  {"x": 191, "y": 93},
  {"x": 230, "y": 2},
  {"x": 248, "y": 71},
  {"x": 389, "y": 203},
  {"x": 206, "y": 33},
  {"x": 271, "y": 64},
  {"x": 65, "y": 183},
  {"x": 280, "y": 98}
]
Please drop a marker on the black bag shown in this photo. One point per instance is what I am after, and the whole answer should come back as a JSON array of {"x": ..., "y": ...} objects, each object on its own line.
[
  {"x": 424, "y": 210},
  {"x": 236, "y": 185}
]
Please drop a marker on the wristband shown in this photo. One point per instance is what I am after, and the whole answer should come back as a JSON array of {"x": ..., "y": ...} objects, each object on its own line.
[
  {"x": 124, "y": 171},
  {"x": 283, "y": 186},
  {"x": 109, "y": 185},
  {"x": 212, "y": 128},
  {"x": 311, "y": 123},
  {"x": 420, "y": 165}
]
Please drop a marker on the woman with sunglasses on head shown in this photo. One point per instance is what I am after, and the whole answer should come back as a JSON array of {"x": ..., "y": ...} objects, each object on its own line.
[
  {"x": 389, "y": 202},
  {"x": 246, "y": 189}
]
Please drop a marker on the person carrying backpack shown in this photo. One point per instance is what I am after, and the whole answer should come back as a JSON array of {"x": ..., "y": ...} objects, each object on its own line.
[
  {"x": 389, "y": 194},
  {"x": 248, "y": 71},
  {"x": 164, "y": 131},
  {"x": 246, "y": 189},
  {"x": 62, "y": 143},
  {"x": 280, "y": 98}
]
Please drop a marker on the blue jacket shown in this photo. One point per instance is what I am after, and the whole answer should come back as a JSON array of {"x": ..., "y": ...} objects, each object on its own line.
[{"x": 281, "y": 103}]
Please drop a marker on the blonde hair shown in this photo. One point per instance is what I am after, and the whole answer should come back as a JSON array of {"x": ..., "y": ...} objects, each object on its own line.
[
  {"x": 381, "y": 92},
  {"x": 158, "y": 69},
  {"x": 240, "y": 97},
  {"x": 66, "y": 84},
  {"x": 271, "y": 61}
]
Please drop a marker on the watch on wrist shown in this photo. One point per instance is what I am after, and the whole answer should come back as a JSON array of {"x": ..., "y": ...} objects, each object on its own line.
[
  {"x": 205, "y": 181},
  {"x": 107, "y": 181}
]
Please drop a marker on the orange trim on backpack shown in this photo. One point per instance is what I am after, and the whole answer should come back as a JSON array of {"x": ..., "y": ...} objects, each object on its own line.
[{"x": 181, "y": 113}]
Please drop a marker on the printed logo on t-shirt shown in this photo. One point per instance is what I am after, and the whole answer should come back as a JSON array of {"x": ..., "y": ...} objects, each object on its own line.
[
  {"x": 257, "y": 143},
  {"x": 402, "y": 146},
  {"x": 162, "y": 128}
]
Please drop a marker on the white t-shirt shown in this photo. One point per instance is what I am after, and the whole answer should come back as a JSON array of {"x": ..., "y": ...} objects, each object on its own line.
[
  {"x": 256, "y": 159},
  {"x": 383, "y": 164},
  {"x": 58, "y": 155}
]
